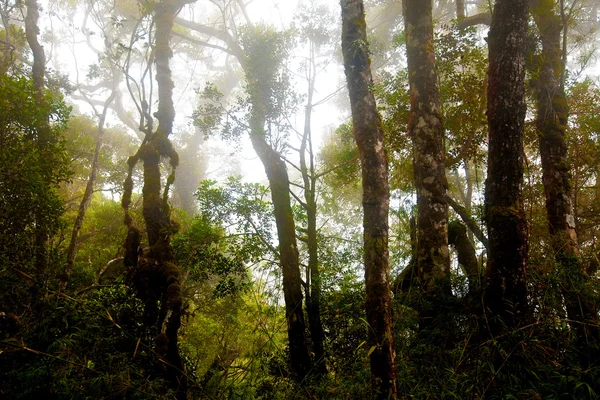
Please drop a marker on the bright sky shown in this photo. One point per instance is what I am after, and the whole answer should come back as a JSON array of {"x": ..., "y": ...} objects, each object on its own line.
[{"x": 74, "y": 60}]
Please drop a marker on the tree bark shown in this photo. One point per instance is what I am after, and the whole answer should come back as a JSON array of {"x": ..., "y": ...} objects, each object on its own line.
[
  {"x": 551, "y": 121},
  {"x": 425, "y": 128},
  {"x": 506, "y": 291},
  {"x": 368, "y": 133},
  {"x": 468, "y": 220},
  {"x": 484, "y": 18}
]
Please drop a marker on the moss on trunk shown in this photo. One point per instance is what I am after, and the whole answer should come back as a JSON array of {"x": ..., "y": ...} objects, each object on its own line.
[{"x": 368, "y": 133}]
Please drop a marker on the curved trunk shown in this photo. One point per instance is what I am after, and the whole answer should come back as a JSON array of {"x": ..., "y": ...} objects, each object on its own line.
[
  {"x": 368, "y": 133},
  {"x": 465, "y": 251},
  {"x": 506, "y": 291}
]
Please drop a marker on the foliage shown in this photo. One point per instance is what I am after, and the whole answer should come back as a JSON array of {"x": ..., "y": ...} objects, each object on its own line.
[
  {"x": 32, "y": 165},
  {"x": 82, "y": 349},
  {"x": 89, "y": 342}
]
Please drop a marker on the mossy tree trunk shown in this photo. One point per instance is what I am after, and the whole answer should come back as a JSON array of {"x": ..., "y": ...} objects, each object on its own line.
[
  {"x": 506, "y": 290},
  {"x": 368, "y": 133},
  {"x": 155, "y": 276},
  {"x": 426, "y": 130},
  {"x": 551, "y": 122}
]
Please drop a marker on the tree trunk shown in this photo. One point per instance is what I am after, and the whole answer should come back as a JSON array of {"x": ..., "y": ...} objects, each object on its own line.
[
  {"x": 425, "y": 128},
  {"x": 368, "y": 133},
  {"x": 313, "y": 300},
  {"x": 155, "y": 277},
  {"x": 506, "y": 291},
  {"x": 552, "y": 115},
  {"x": 87, "y": 197},
  {"x": 286, "y": 232},
  {"x": 468, "y": 220},
  {"x": 465, "y": 251},
  {"x": 460, "y": 9}
]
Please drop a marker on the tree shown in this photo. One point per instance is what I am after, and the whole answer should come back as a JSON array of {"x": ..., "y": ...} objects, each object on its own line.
[
  {"x": 427, "y": 132},
  {"x": 368, "y": 133},
  {"x": 154, "y": 275},
  {"x": 551, "y": 122},
  {"x": 260, "y": 52},
  {"x": 261, "y": 78},
  {"x": 506, "y": 291}
]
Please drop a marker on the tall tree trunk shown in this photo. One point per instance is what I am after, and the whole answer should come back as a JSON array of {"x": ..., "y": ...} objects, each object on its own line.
[
  {"x": 368, "y": 133},
  {"x": 87, "y": 197},
  {"x": 313, "y": 299},
  {"x": 43, "y": 129},
  {"x": 156, "y": 277},
  {"x": 277, "y": 175},
  {"x": 426, "y": 129},
  {"x": 276, "y": 171},
  {"x": 506, "y": 291},
  {"x": 552, "y": 115}
]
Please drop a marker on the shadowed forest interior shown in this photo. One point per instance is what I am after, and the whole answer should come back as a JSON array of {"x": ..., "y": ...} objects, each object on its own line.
[{"x": 307, "y": 199}]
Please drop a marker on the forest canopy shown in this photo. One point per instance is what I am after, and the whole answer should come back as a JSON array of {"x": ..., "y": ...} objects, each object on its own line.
[{"x": 307, "y": 199}]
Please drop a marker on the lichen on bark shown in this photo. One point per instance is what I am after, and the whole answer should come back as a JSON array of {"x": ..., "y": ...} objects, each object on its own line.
[
  {"x": 506, "y": 290},
  {"x": 426, "y": 130},
  {"x": 368, "y": 134}
]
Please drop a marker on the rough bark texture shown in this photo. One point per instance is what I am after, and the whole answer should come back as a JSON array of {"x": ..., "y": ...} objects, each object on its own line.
[
  {"x": 425, "y": 128},
  {"x": 368, "y": 134},
  {"x": 506, "y": 291},
  {"x": 154, "y": 275},
  {"x": 552, "y": 115}
]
